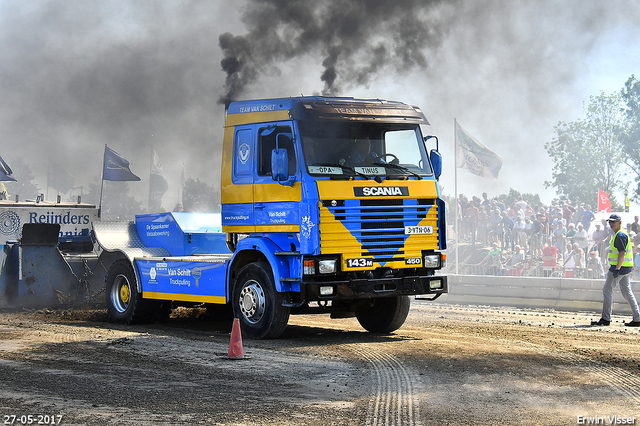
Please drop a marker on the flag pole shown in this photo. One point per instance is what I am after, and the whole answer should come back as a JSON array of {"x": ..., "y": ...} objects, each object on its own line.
[
  {"x": 455, "y": 166},
  {"x": 181, "y": 190},
  {"x": 104, "y": 156},
  {"x": 150, "y": 169},
  {"x": 48, "y": 173}
]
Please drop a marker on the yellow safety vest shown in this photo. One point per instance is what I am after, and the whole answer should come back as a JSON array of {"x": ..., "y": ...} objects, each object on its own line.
[{"x": 613, "y": 251}]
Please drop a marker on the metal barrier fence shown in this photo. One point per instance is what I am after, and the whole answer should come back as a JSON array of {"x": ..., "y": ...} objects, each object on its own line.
[
  {"x": 559, "y": 293},
  {"x": 529, "y": 270}
]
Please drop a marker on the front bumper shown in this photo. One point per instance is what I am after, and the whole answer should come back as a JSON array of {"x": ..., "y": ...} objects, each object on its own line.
[{"x": 361, "y": 288}]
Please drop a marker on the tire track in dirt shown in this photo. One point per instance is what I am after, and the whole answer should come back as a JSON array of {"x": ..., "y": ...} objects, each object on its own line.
[
  {"x": 619, "y": 379},
  {"x": 393, "y": 401},
  {"x": 394, "y": 395}
]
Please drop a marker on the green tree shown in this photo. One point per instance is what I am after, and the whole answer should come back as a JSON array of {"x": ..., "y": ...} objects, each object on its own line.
[
  {"x": 24, "y": 187},
  {"x": 631, "y": 137},
  {"x": 587, "y": 154},
  {"x": 117, "y": 204},
  {"x": 198, "y": 196}
]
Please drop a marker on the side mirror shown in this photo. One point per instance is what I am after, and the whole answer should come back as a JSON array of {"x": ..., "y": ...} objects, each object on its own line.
[
  {"x": 436, "y": 163},
  {"x": 280, "y": 166}
]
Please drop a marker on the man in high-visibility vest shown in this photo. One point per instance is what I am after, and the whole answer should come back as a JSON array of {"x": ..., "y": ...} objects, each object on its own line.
[{"x": 620, "y": 269}]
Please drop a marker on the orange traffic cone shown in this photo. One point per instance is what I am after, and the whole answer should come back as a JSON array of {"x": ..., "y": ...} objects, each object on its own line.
[{"x": 235, "y": 346}]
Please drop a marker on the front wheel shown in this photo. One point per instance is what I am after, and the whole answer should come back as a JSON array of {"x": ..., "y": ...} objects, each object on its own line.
[
  {"x": 385, "y": 314},
  {"x": 257, "y": 303}
]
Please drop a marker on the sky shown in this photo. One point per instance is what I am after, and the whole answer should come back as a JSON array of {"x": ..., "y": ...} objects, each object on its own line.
[{"x": 76, "y": 75}]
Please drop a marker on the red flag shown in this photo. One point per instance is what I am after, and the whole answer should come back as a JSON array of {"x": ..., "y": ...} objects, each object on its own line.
[{"x": 604, "y": 205}]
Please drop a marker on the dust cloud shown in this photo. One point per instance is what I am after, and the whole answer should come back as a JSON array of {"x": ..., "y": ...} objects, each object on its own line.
[{"x": 76, "y": 75}]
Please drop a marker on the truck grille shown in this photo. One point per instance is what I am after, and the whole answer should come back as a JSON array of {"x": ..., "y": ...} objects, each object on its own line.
[{"x": 375, "y": 228}]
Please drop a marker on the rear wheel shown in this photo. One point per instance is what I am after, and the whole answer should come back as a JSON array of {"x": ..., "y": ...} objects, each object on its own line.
[
  {"x": 385, "y": 314},
  {"x": 257, "y": 303},
  {"x": 124, "y": 304}
]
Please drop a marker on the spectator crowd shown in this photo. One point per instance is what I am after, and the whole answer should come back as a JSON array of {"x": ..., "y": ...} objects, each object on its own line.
[{"x": 562, "y": 238}]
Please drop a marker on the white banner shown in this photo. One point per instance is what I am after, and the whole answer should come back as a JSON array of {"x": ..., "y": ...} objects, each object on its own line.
[
  {"x": 75, "y": 222},
  {"x": 474, "y": 156}
]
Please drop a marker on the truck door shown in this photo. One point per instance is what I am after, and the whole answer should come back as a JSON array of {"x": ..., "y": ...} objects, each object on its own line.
[
  {"x": 276, "y": 206},
  {"x": 237, "y": 192}
]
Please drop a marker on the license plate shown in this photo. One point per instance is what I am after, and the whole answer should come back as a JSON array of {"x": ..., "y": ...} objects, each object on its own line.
[{"x": 411, "y": 230}]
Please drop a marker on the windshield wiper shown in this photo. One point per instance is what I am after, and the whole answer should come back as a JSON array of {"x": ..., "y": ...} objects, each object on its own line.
[
  {"x": 351, "y": 169},
  {"x": 398, "y": 166}
]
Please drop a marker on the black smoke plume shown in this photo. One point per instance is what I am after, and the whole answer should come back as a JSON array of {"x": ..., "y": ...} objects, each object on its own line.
[{"x": 356, "y": 40}]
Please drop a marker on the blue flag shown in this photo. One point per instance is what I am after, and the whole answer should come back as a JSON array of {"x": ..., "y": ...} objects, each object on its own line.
[
  {"x": 116, "y": 167},
  {"x": 5, "y": 172}
]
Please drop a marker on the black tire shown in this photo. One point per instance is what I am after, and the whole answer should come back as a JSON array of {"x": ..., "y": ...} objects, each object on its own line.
[
  {"x": 124, "y": 304},
  {"x": 385, "y": 315},
  {"x": 257, "y": 304}
]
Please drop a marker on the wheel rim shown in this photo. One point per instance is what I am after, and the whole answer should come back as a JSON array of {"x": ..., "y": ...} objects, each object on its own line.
[
  {"x": 252, "y": 301},
  {"x": 120, "y": 293},
  {"x": 124, "y": 293}
]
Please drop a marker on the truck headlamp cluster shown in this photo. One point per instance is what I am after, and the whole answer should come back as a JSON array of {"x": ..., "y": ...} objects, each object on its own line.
[
  {"x": 432, "y": 261},
  {"x": 327, "y": 266}
]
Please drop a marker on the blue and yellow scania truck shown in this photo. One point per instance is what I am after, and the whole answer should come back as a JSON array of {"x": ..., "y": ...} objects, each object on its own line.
[{"x": 329, "y": 205}]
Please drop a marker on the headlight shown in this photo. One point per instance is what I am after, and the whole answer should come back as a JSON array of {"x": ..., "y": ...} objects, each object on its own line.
[
  {"x": 435, "y": 285},
  {"x": 327, "y": 266},
  {"x": 326, "y": 290},
  {"x": 432, "y": 261}
]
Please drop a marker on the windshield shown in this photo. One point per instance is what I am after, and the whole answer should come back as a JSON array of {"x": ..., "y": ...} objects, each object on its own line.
[{"x": 353, "y": 148}]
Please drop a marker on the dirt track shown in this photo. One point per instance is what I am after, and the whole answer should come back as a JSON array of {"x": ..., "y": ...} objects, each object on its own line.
[{"x": 449, "y": 365}]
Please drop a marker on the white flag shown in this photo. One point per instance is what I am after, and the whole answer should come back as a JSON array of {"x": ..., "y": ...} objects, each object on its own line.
[
  {"x": 183, "y": 178},
  {"x": 474, "y": 156},
  {"x": 157, "y": 183}
]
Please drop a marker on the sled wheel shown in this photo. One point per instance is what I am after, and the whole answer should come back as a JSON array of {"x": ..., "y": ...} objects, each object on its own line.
[{"x": 124, "y": 304}]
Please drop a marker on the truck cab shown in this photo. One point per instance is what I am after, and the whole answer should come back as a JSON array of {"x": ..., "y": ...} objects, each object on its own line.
[{"x": 330, "y": 205}]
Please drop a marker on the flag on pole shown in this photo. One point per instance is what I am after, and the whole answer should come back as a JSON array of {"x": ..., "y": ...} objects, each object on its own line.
[
  {"x": 4, "y": 195},
  {"x": 474, "y": 156},
  {"x": 116, "y": 167},
  {"x": 157, "y": 183},
  {"x": 604, "y": 205},
  {"x": 5, "y": 172},
  {"x": 58, "y": 178}
]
